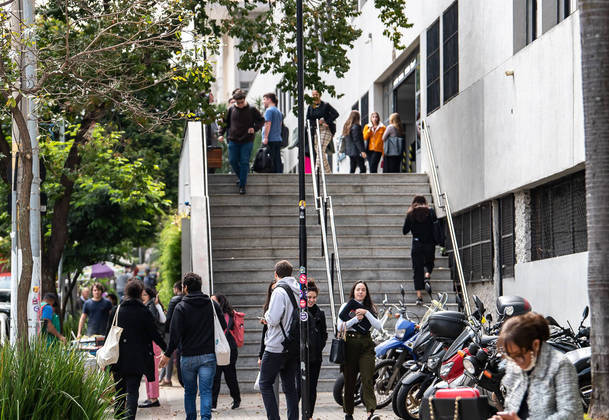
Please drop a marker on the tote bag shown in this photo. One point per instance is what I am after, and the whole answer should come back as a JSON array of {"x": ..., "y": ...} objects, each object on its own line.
[
  {"x": 220, "y": 342},
  {"x": 393, "y": 146},
  {"x": 338, "y": 348},
  {"x": 108, "y": 354}
]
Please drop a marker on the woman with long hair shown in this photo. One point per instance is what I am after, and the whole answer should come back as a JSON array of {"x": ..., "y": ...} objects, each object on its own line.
[
  {"x": 230, "y": 371},
  {"x": 373, "y": 135},
  {"x": 540, "y": 381},
  {"x": 354, "y": 142},
  {"x": 419, "y": 220},
  {"x": 357, "y": 316},
  {"x": 393, "y": 143},
  {"x": 151, "y": 300},
  {"x": 318, "y": 335}
]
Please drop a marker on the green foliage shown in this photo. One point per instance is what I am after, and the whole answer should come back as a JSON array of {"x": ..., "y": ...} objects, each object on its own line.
[
  {"x": 70, "y": 326},
  {"x": 40, "y": 382},
  {"x": 5, "y": 226},
  {"x": 170, "y": 245}
]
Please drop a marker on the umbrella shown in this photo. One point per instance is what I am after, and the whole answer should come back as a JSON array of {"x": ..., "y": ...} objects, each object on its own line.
[{"x": 101, "y": 271}]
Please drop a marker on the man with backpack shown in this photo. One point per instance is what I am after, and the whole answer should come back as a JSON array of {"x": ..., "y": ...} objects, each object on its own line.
[
  {"x": 241, "y": 123},
  {"x": 282, "y": 343}
]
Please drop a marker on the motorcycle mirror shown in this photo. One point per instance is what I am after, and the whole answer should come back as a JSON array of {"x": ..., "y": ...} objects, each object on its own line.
[
  {"x": 385, "y": 300},
  {"x": 552, "y": 321},
  {"x": 585, "y": 314},
  {"x": 402, "y": 291},
  {"x": 489, "y": 318},
  {"x": 428, "y": 288},
  {"x": 479, "y": 304}
]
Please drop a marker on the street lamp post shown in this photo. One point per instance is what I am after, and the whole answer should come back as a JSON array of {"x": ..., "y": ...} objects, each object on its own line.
[{"x": 302, "y": 207}]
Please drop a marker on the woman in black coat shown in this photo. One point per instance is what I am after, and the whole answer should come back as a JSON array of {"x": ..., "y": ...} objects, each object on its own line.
[
  {"x": 136, "y": 357},
  {"x": 419, "y": 220},
  {"x": 354, "y": 142},
  {"x": 318, "y": 335}
]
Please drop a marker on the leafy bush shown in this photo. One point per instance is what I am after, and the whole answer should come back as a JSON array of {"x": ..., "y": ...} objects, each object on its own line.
[
  {"x": 40, "y": 382},
  {"x": 170, "y": 246}
]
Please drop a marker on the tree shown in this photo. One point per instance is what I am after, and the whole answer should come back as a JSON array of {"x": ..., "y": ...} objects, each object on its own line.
[{"x": 594, "y": 16}]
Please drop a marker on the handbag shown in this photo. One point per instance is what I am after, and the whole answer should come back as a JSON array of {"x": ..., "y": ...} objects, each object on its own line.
[
  {"x": 393, "y": 146},
  {"x": 222, "y": 348},
  {"x": 257, "y": 382},
  {"x": 338, "y": 349},
  {"x": 108, "y": 354},
  {"x": 458, "y": 408}
]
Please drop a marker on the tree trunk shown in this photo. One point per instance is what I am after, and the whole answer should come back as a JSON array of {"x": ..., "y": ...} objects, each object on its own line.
[
  {"x": 53, "y": 248},
  {"x": 594, "y": 18},
  {"x": 23, "y": 222}
]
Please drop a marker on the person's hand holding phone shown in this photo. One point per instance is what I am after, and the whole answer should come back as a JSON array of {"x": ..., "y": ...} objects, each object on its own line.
[{"x": 504, "y": 415}]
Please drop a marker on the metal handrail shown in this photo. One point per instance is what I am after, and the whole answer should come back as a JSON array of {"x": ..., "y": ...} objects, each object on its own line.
[
  {"x": 442, "y": 199},
  {"x": 207, "y": 212}
]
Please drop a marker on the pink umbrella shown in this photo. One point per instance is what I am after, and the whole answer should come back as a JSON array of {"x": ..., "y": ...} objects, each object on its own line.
[{"x": 101, "y": 271}]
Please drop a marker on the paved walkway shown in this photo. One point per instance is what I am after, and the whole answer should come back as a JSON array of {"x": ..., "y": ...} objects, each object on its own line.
[{"x": 172, "y": 407}]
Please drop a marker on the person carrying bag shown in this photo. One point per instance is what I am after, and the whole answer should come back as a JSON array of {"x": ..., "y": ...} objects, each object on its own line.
[{"x": 393, "y": 144}]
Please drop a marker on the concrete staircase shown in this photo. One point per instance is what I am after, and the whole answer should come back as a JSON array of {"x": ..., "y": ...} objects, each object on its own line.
[{"x": 251, "y": 232}]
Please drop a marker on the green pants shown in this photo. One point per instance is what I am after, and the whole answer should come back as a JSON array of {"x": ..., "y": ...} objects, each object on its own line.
[{"x": 359, "y": 359}]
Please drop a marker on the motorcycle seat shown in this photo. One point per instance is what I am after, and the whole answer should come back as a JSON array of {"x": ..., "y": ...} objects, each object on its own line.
[{"x": 485, "y": 340}]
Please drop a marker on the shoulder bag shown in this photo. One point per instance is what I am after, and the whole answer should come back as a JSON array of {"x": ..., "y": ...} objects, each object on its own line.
[
  {"x": 221, "y": 346},
  {"x": 338, "y": 349},
  {"x": 108, "y": 354},
  {"x": 393, "y": 146}
]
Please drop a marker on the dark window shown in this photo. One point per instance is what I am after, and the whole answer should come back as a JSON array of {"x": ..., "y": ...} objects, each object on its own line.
[
  {"x": 473, "y": 230},
  {"x": 563, "y": 9},
  {"x": 506, "y": 241},
  {"x": 355, "y": 106},
  {"x": 433, "y": 67},
  {"x": 364, "y": 111},
  {"x": 531, "y": 19},
  {"x": 450, "y": 34},
  {"x": 558, "y": 218}
]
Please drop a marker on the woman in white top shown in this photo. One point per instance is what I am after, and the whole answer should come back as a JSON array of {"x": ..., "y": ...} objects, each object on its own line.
[{"x": 358, "y": 317}]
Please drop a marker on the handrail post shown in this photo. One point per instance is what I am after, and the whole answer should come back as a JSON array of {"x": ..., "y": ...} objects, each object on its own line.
[
  {"x": 207, "y": 212},
  {"x": 449, "y": 217}
]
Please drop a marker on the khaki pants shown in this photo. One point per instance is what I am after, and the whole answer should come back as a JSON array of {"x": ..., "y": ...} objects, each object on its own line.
[
  {"x": 326, "y": 138},
  {"x": 359, "y": 358}
]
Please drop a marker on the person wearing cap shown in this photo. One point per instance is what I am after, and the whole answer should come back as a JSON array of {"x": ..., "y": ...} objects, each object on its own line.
[{"x": 241, "y": 123}]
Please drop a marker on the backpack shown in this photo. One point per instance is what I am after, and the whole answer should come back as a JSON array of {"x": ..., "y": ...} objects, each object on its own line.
[
  {"x": 285, "y": 135},
  {"x": 291, "y": 344},
  {"x": 263, "y": 162},
  {"x": 238, "y": 329}
]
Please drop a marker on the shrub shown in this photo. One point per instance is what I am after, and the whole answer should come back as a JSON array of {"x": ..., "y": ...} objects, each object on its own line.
[
  {"x": 170, "y": 246},
  {"x": 40, "y": 382}
]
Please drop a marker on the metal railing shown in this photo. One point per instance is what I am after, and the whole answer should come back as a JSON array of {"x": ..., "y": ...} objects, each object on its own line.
[
  {"x": 325, "y": 209},
  {"x": 207, "y": 212},
  {"x": 442, "y": 199}
]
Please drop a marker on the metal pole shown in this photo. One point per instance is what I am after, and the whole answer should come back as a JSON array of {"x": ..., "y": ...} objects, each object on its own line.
[
  {"x": 207, "y": 213},
  {"x": 302, "y": 207}
]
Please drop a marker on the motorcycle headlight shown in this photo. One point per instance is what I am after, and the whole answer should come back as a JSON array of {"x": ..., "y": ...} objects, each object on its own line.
[
  {"x": 445, "y": 369},
  {"x": 432, "y": 363},
  {"x": 399, "y": 332},
  {"x": 469, "y": 366}
]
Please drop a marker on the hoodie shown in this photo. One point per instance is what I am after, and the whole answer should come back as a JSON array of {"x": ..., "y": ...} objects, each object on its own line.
[
  {"x": 192, "y": 325},
  {"x": 280, "y": 313}
]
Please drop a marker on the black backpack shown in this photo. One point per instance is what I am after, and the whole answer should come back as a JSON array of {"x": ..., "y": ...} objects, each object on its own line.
[
  {"x": 263, "y": 162},
  {"x": 285, "y": 135},
  {"x": 291, "y": 344}
]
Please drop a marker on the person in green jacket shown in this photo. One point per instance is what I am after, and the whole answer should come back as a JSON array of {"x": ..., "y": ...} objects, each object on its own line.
[{"x": 51, "y": 326}]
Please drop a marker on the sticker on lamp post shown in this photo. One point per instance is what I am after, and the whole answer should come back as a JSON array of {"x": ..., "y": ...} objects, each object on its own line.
[{"x": 303, "y": 303}]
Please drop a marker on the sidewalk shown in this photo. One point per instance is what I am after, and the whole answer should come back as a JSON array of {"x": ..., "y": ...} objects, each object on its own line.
[{"x": 172, "y": 407}]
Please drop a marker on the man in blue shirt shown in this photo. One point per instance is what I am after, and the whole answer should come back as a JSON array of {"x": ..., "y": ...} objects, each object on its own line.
[
  {"x": 97, "y": 310},
  {"x": 271, "y": 132}
]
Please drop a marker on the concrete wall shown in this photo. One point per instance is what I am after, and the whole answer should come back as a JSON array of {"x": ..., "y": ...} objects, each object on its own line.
[{"x": 554, "y": 286}]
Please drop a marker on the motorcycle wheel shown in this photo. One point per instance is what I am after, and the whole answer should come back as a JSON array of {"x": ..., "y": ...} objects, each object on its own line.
[
  {"x": 382, "y": 372},
  {"x": 407, "y": 403},
  {"x": 394, "y": 400},
  {"x": 338, "y": 390},
  {"x": 585, "y": 389}
]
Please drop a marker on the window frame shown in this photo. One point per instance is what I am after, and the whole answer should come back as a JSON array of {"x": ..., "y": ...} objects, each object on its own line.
[
  {"x": 446, "y": 39},
  {"x": 436, "y": 81}
]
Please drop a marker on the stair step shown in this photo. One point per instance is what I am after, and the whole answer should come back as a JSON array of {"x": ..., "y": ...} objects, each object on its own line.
[
  {"x": 345, "y": 241},
  {"x": 369, "y": 220},
  {"x": 237, "y": 229},
  {"x": 292, "y": 251},
  {"x": 261, "y": 179},
  {"x": 279, "y": 188},
  {"x": 277, "y": 200}
]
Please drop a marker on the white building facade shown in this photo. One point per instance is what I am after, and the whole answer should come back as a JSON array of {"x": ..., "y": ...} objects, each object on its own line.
[{"x": 499, "y": 84}]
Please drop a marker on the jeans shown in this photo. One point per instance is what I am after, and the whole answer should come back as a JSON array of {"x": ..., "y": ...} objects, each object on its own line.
[
  {"x": 128, "y": 390},
  {"x": 239, "y": 158},
  {"x": 272, "y": 365},
  {"x": 230, "y": 376},
  {"x": 275, "y": 148},
  {"x": 203, "y": 368}
]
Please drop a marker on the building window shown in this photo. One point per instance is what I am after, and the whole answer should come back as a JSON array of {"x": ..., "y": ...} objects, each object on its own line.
[
  {"x": 473, "y": 229},
  {"x": 433, "y": 67},
  {"x": 355, "y": 106},
  {"x": 531, "y": 21},
  {"x": 558, "y": 218},
  {"x": 364, "y": 112},
  {"x": 506, "y": 231},
  {"x": 563, "y": 9},
  {"x": 450, "y": 52}
]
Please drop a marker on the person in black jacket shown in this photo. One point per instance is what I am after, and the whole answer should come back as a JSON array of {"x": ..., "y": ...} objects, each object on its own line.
[
  {"x": 190, "y": 330},
  {"x": 136, "y": 357},
  {"x": 230, "y": 371},
  {"x": 326, "y": 115},
  {"x": 318, "y": 335},
  {"x": 167, "y": 373},
  {"x": 419, "y": 220},
  {"x": 151, "y": 300},
  {"x": 354, "y": 142}
]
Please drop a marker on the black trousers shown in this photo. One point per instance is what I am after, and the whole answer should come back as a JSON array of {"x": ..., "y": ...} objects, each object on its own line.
[
  {"x": 423, "y": 256},
  {"x": 314, "y": 369},
  {"x": 230, "y": 376},
  {"x": 357, "y": 162},
  {"x": 128, "y": 390},
  {"x": 374, "y": 158},
  {"x": 392, "y": 164},
  {"x": 275, "y": 149}
]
